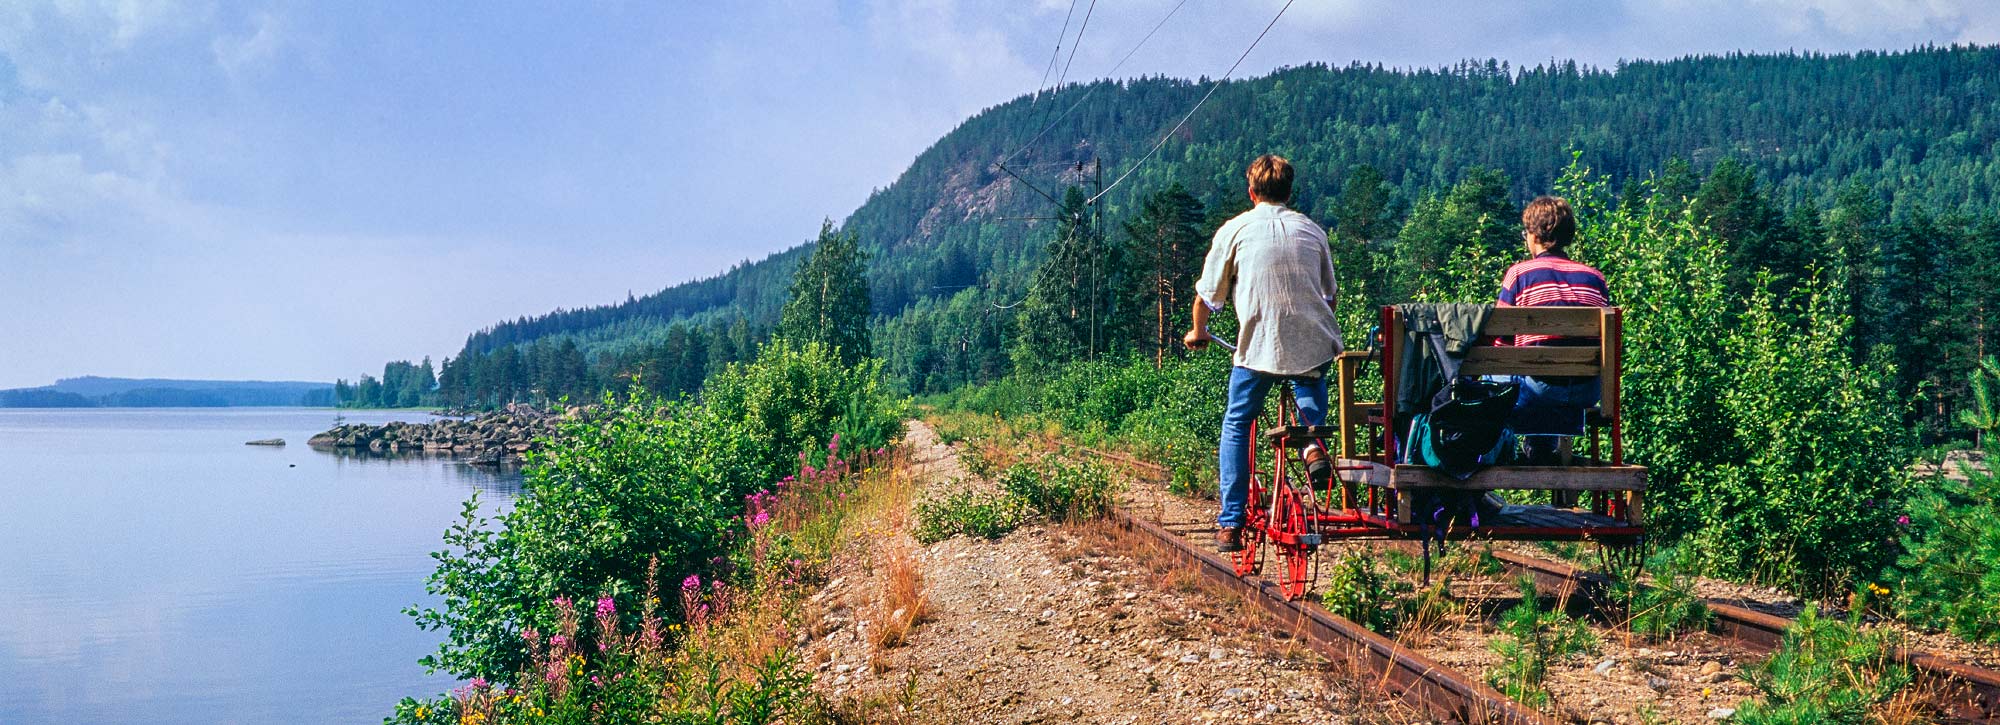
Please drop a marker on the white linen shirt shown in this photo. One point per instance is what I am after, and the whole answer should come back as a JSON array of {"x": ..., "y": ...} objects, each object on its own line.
[{"x": 1274, "y": 264}]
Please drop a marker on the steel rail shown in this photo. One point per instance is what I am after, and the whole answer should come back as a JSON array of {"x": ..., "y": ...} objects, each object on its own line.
[
  {"x": 1417, "y": 680},
  {"x": 1963, "y": 691}
]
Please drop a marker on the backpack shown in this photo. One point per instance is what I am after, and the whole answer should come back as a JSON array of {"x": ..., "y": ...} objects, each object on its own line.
[{"x": 1466, "y": 427}]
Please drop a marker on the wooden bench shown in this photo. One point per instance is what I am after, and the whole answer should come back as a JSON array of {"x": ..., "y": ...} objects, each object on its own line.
[{"x": 1370, "y": 444}]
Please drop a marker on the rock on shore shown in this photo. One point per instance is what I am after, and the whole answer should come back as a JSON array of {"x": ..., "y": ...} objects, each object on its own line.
[{"x": 489, "y": 439}]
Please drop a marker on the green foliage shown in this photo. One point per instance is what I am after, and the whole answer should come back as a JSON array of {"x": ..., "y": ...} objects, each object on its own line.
[
  {"x": 829, "y": 297},
  {"x": 1983, "y": 417},
  {"x": 969, "y": 512},
  {"x": 1061, "y": 490},
  {"x": 1163, "y": 248},
  {"x": 640, "y": 479},
  {"x": 1531, "y": 638},
  {"x": 1949, "y": 575},
  {"x": 1669, "y": 606},
  {"x": 1762, "y": 431},
  {"x": 1072, "y": 299},
  {"x": 1358, "y": 591},
  {"x": 403, "y": 385},
  {"x": 1825, "y": 671},
  {"x": 795, "y": 397}
]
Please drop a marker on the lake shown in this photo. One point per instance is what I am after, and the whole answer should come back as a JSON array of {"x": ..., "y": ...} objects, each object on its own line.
[{"x": 155, "y": 569}]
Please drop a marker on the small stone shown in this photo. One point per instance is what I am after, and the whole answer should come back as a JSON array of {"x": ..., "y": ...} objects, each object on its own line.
[
  {"x": 1238, "y": 693},
  {"x": 841, "y": 680},
  {"x": 1048, "y": 614},
  {"x": 1216, "y": 653},
  {"x": 1270, "y": 707},
  {"x": 842, "y": 667},
  {"x": 1067, "y": 700},
  {"x": 1604, "y": 668},
  {"x": 1190, "y": 659},
  {"x": 897, "y": 616},
  {"x": 1657, "y": 683},
  {"x": 1722, "y": 713},
  {"x": 1710, "y": 668}
]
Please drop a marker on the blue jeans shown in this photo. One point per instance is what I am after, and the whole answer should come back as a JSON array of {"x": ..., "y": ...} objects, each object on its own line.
[{"x": 1247, "y": 389}]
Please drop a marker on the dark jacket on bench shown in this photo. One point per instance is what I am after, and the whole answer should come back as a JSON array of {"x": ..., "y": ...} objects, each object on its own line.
[{"x": 1419, "y": 376}]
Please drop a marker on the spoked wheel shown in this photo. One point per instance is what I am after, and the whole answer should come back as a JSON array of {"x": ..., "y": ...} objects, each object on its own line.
[
  {"x": 1295, "y": 559},
  {"x": 1250, "y": 561}
]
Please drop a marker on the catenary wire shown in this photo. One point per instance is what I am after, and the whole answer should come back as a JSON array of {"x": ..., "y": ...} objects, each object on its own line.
[
  {"x": 1093, "y": 88},
  {"x": 1197, "y": 107},
  {"x": 1056, "y": 54}
]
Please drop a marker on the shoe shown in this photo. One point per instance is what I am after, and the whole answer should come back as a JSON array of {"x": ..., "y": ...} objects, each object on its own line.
[
  {"x": 1229, "y": 540},
  {"x": 1319, "y": 467}
]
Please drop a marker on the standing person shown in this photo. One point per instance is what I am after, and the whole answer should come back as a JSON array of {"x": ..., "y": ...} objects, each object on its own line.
[
  {"x": 1551, "y": 406},
  {"x": 1274, "y": 264}
]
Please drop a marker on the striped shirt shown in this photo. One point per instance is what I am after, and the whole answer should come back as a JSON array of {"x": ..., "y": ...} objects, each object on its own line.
[{"x": 1552, "y": 279}]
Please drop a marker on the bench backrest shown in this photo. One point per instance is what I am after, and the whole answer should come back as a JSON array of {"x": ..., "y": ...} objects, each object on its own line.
[{"x": 1605, "y": 359}]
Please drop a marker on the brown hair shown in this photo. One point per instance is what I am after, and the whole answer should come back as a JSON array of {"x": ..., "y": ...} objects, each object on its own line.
[
  {"x": 1551, "y": 221},
  {"x": 1271, "y": 179}
]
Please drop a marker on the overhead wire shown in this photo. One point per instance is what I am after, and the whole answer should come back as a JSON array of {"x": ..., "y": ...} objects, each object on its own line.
[
  {"x": 1057, "y": 53},
  {"x": 1078, "y": 43},
  {"x": 1092, "y": 90},
  {"x": 1197, "y": 106}
]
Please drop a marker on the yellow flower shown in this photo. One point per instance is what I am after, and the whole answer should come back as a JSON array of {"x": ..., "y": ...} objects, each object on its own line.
[{"x": 423, "y": 712}]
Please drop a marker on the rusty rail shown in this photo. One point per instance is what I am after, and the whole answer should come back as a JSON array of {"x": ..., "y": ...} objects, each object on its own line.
[
  {"x": 1964, "y": 691},
  {"x": 1417, "y": 680}
]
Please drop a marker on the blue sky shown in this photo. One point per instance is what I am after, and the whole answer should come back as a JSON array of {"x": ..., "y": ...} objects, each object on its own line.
[{"x": 304, "y": 190}]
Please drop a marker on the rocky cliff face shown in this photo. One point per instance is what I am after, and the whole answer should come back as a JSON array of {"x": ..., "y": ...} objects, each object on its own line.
[{"x": 489, "y": 439}]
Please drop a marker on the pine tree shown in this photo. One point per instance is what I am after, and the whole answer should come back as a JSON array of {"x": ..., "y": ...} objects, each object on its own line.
[
  {"x": 829, "y": 302},
  {"x": 1163, "y": 250},
  {"x": 1059, "y": 321}
]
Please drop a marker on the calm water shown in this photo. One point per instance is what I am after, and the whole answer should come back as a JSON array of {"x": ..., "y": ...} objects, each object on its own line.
[{"x": 154, "y": 569}]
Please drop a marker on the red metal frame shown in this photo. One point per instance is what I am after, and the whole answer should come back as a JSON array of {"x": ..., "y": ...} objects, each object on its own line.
[{"x": 1281, "y": 520}]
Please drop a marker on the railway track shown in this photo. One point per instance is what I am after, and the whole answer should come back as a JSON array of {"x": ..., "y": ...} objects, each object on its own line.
[
  {"x": 1963, "y": 692},
  {"x": 1420, "y": 682}
]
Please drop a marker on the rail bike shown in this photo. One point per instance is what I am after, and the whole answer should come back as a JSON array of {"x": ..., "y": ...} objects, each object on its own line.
[{"x": 1377, "y": 493}]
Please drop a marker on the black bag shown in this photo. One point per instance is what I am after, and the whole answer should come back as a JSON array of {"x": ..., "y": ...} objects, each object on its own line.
[{"x": 1466, "y": 428}]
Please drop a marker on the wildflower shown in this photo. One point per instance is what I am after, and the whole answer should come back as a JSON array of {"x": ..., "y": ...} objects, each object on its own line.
[
  {"x": 596, "y": 680},
  {"x": 478, "y": 683},
  {"x": 423, "y": 712},
  {"x": 691, "y": 583},
  {"x": 760, "y": 518},
  {"x": 833, "y": 446},
  {"x": 1903, "y": 520},
  {"x": 606, "y": 606}
]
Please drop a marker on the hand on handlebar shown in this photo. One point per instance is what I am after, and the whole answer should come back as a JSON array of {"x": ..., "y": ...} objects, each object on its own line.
[{"x": 1200, "y": 338}]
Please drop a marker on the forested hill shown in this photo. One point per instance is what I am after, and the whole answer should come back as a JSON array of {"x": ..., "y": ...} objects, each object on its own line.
[{"x": 1916, "y": 129}]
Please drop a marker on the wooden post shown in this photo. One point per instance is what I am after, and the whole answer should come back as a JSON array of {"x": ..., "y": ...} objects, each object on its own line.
[{"x": 1612, "y": 368}]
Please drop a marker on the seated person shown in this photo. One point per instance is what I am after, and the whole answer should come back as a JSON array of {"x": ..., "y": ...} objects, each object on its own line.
[{"x": 1551, "y": 406}]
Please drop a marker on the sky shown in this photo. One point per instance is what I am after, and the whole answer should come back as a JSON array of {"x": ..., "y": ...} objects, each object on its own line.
[{"x": 302, "y": 191}]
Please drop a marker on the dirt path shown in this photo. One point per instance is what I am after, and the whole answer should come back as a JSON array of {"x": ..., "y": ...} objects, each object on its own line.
[{"x": 1061, "y": 624}]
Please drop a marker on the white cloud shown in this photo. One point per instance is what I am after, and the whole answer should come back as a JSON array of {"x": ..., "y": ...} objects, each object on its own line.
[{"x": 241, "y": 56}]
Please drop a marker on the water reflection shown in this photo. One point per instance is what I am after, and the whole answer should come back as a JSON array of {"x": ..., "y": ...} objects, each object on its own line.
[
  {"x": 158, "y": 570},
  {"x": 503, "y": 479}
]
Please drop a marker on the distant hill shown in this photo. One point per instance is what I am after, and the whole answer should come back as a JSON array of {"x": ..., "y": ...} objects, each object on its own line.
[
  {"x": 92, "y": 391},
  {"x": 1919, "y": 129}
]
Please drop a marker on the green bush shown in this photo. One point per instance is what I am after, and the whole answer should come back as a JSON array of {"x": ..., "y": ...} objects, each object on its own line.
[
  {"x": 1530, "y": 639},
  {"x": 1670, "y": 606},
  {"x": 636, "y": 480},
  {"x": 1949, "y": 575},
  {"x": 968, "y": 512},
  {"x": 1762, "y": 432},
  {"x": 1061, "y": 490},
  {"x": 1825, "y": 671},
  {"x": 1358, "y": 591}
]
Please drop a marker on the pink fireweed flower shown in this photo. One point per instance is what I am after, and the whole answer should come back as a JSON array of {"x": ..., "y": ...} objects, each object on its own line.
[
  {"x": 478, "y": 683},
  {"x": 1903, "y": 520},
  {"x": 691, "y": 583},
  {"x": 833, "y": 446},
  {"x": 606, "y": 606},
  {"x": 558, "y": 641},
  {"x": 760, "y": 518},
  {"x": 598, "y": 681}
]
